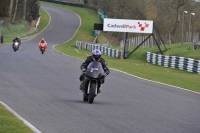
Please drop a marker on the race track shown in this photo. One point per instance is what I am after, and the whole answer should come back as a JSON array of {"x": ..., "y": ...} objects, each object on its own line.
[{"x": 44, "y": 90}]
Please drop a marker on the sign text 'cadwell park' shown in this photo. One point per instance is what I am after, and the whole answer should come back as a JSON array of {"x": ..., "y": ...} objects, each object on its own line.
[{"x": 125, "y": 25}]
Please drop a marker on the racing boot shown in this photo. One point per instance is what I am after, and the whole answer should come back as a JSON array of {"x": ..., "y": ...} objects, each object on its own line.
[
  {"x": 81, "y": 86},
  {"x": 99, "y": 90}
]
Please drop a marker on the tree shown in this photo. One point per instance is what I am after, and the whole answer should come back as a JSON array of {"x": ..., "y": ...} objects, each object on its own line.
[
  {"x": 13, "y": 18},
  {"x": 177, "y": 9},
  {"x": 32, "y": 10},
  {"x": 10, "y": 8},
  {"x": 24, "y": 12},
  {"x": 4, "y": 4}
]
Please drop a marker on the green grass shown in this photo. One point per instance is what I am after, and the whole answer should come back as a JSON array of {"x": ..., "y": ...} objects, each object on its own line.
[
  {"x": 11, "y": 124},
  {"x": 17, "y": 29},
  {"x": 136, "y": 63},
  {"x": 10, "y": 31},
  {"x": 182, "y": 50},
  {"x": 44, "y": 21}
]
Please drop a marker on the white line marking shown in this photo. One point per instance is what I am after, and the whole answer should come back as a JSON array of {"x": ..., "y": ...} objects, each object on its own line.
[
  {"x": 156, "y": 81},
  {"x": 19, "y": 117}
]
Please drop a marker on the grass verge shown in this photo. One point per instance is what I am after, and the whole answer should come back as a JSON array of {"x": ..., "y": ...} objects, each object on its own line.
[
  {"x": 11, "y": 124},
  {"x": 10, "y": 31}
]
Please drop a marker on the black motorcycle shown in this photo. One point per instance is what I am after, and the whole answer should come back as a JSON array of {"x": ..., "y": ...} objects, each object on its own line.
[
  {"x": 15, "y": 46},
  {"x": 94, "y": 76}
]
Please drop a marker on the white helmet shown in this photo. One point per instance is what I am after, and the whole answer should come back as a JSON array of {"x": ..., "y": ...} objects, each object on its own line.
[{"x": 96, "y": 54}]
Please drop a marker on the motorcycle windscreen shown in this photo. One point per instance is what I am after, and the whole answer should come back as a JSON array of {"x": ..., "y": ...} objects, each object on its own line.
[{"x": 95, "y": 70}]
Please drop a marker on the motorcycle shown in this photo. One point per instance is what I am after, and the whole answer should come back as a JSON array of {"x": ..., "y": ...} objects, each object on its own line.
[
  {"x": 42, "y": 47},
  {"x": 15, "y": 46},
  {"x": 93, "y": 78}
]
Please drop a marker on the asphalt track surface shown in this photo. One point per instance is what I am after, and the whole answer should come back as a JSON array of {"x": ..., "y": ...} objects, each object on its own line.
[{"x": 44, "y": 90}]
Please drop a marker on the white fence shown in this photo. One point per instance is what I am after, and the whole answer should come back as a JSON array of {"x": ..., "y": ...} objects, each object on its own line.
[
  {"x": 135, "y": 41},
  {"x": 188, "y": 64},
  {"x": 102, "y": 47}
]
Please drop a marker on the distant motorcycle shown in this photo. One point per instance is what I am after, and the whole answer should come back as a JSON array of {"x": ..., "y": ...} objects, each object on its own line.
[
  {"x": 94, "y": 76},
  {"x": 15, "y": 46},
  {"x": 42, "y": 47}
]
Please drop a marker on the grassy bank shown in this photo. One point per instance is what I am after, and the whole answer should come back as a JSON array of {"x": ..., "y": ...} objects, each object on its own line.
[
  {"x": 10, "y": 124},
  {"x": 136, "y": 63},
  {"x": 20, "y": 28}
]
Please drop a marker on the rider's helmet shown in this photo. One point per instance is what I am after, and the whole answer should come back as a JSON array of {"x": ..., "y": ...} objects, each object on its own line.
[
  {"x": 96, "y": 54},
  {"x": 42, "y": 40},
  {"x": 17, "y": 37}
]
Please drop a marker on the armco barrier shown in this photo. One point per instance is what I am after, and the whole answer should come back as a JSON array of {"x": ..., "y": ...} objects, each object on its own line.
[
  {"x": 188, "y": 64},
  {"x": 104, "y": 50},
  {"x": 79, "y": 44}
]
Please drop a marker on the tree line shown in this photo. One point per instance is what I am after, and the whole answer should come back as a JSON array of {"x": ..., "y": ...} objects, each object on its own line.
[
  {"x": 167, "y": 15},
  {"x": 14, "y": 10}
]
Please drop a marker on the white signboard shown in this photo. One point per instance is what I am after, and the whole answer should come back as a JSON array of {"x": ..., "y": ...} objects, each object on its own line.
[{"x": 125, "y": 25}]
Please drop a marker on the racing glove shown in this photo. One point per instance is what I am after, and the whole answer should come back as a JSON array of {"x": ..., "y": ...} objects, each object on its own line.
[{"x": 83, "y": 70}]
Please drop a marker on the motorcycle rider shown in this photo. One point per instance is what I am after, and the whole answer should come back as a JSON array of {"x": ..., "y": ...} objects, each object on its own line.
[
  {"x": 42, "y": 41},
  {"x": 16, "y": 39},
  {"x": 96, "y": 56}
]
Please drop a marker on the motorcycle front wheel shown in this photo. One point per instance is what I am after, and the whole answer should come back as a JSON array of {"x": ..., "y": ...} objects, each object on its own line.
[
  {"x": 15, "y": 49},
  {"x": 42, "y": 51},
  {"x": 92, "y": 92}
]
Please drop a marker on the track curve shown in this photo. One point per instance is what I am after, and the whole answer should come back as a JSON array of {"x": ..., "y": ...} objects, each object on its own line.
[{"x": 44, "y": 90}]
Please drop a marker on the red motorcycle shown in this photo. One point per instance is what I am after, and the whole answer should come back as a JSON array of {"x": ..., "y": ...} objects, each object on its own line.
[{"x": 43, "y": 47}]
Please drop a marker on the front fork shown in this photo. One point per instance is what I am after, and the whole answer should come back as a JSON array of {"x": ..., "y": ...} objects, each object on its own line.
[{"x": 96, "y": 88}]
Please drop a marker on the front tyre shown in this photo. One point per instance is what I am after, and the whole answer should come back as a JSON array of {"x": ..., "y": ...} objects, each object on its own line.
[
  {"x": 15, "y": 49},
  {"x": 42, "y": 51},
  {"x": 92, "y": 92}
]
